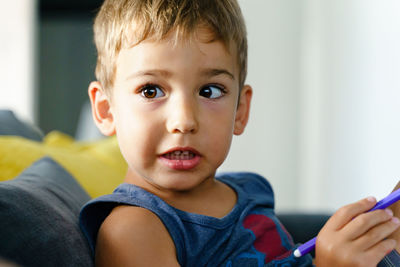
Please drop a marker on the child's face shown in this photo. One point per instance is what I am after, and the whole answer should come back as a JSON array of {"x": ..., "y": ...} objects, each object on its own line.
[{"x": 174, "y": 108}]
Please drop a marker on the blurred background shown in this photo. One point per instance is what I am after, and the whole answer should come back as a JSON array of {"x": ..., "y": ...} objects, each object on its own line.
[{"x": 324, "y": 127}]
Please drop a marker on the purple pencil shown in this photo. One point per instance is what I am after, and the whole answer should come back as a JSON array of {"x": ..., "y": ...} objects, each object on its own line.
[{"x": 384, "y": 203}]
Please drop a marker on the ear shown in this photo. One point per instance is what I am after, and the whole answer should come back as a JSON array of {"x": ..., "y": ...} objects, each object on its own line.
[
  {"x": 243, "y": 110},
  {"x": 101, "y": 109}
]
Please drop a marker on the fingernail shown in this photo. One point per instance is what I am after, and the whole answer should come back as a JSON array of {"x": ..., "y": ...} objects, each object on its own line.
[
  {"x": 395, "y": 220},
  {"x": 389, "y": 211},
  {"x": 371, "y": 199}
]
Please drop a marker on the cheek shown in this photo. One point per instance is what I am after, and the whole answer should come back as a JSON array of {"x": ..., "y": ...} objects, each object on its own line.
[
  {"x": 219, "y": 147},
  {"x": 220, "y": 119},
  {"x": 137, "y": 137},
  {"x": 220, "y": 131}
]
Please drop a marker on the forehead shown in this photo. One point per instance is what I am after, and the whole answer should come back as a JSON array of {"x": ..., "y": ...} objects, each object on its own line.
[{"x": 201, "y": 48}]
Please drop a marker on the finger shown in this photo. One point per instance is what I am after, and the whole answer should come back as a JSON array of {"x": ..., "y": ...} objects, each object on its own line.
[
  {"x": 377, "y": 234},
  {"x": 396, "y": 210},
  {"x": 364, "y": 222},
  {"x": 348, "y": 212},
  {"x": 376, "y": 253},
  {"x": 396, "y": 206}
]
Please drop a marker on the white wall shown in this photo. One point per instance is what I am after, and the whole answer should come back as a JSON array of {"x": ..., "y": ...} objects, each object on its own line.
[
  {"x": 270, "y": 146},
  {"x": 350, "y": 101},
  {"x": 17, "y": 30},
  {"x": 324, "y": 127}
]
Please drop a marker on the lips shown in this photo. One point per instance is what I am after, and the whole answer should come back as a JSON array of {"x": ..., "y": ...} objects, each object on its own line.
[{"x": 180, "y": 158}]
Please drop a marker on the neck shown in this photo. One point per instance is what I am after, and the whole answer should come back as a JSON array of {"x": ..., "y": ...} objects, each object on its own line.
[{"x": 210, "y": 198}]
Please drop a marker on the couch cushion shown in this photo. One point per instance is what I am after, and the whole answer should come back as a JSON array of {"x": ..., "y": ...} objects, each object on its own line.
[
  {"x": 11, "y": 125},
  {"x": 39, "y": 218},
  {"x": 98, "y": 166}
]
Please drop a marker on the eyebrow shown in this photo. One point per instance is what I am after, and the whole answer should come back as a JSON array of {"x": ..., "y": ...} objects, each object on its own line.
[
  {"x": 216, "y": 72},
  {"x": 209, "y": 72}
]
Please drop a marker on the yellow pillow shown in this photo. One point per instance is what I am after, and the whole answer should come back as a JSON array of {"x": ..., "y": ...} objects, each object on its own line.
[{"x": 98, "y": 166}]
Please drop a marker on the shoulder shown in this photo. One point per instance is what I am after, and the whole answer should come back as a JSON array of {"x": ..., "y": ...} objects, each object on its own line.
[
  {"x": 134, "y": 235},
  {"x": 95, "y": 212},
  {"x": 125, "y": 216}
]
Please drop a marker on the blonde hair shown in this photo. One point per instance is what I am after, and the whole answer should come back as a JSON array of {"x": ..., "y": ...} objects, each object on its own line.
[{"x": 124, "y": 23}]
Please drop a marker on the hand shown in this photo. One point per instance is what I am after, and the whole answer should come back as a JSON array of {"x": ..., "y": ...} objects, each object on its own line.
[
  {"x": 396, "y": 210},
  {"x": 352, "y": 237}
]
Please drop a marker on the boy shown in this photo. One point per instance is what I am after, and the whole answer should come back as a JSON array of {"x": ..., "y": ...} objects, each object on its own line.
[{"x": 171, "y": 87}]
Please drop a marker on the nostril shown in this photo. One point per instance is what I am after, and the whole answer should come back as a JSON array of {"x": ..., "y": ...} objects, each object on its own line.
[{"x": 184, "y": 130}]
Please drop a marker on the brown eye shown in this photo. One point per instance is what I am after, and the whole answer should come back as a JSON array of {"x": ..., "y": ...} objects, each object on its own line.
[{"x": 151, "y": 91}]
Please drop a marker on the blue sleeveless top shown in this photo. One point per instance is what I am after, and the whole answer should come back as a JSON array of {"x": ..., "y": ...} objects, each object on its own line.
[{"x": 250, "y": 235}]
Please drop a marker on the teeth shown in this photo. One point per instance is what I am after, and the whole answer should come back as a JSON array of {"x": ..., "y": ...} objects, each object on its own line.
[{"x": 180, "y": 155}]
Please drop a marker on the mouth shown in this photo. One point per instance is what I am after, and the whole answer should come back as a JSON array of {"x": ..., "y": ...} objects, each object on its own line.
[
  {"x": 181, "y": 158},
  {"x": 179, "y": 155}
]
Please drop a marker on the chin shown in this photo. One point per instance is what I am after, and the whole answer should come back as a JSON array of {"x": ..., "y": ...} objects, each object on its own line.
[
  {"x": 181, "y": 183},
  {"x": 180, "y": 186}
]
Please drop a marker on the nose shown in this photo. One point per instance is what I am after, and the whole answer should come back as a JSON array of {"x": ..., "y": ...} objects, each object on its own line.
[{"x": 182, "y": 115}]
